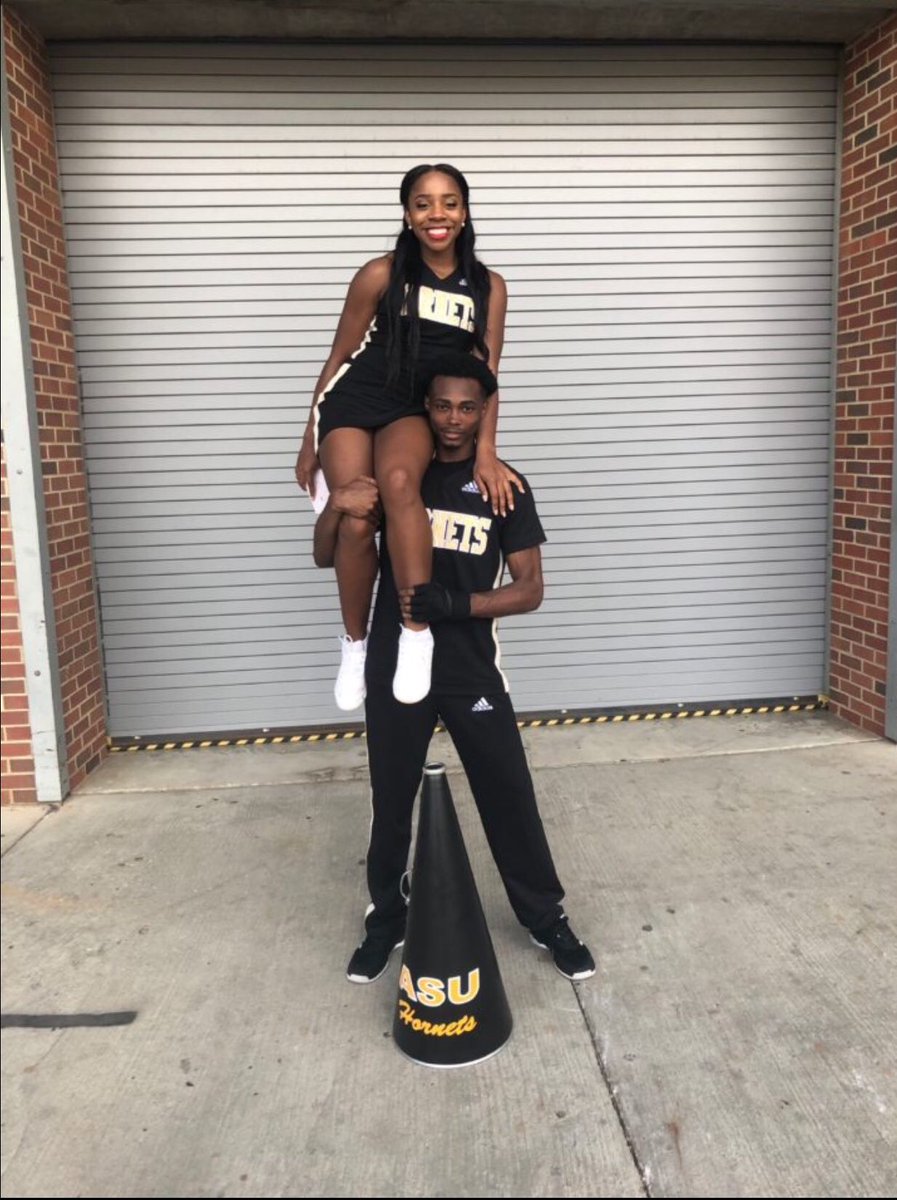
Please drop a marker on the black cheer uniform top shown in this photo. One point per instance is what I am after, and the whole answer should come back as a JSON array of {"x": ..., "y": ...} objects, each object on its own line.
[
  {"x": 356, "y": 396},
  {"x": 470, "y": 545}
]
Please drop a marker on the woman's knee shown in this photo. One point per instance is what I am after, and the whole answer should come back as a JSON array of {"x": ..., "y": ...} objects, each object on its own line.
[
  {"x": 356, "y": 532},
  {"x": 399, "y": 485}
]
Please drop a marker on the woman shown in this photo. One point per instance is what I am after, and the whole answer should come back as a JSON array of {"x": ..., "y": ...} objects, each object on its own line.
[{"x": 429, "y": 295}]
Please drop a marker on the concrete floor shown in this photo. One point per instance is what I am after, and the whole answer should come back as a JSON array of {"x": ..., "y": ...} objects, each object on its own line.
[{"x": 733, "y": 875}]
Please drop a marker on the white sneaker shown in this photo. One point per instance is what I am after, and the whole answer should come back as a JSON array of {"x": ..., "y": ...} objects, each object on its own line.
[
  {"x": 349, "y": 690},
  {"x": 411, "y": 681}
]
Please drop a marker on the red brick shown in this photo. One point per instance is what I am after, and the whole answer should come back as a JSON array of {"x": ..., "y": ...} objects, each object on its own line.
[
  {"x": 40, "y": 220},
  {"x": 865, "y": 377}
]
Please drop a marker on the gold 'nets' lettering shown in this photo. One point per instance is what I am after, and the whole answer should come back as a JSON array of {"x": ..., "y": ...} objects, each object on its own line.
[{"x": 462, "y": 532}]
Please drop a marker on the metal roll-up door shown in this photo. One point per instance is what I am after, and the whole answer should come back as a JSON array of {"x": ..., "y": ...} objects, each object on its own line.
[{"x": 663, "y": 217}]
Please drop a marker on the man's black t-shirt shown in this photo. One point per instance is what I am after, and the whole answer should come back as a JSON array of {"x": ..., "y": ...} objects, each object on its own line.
[{"x": 470, "y": 545}]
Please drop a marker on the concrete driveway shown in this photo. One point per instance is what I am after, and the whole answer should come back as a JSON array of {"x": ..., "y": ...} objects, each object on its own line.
[{"x": 734, "y": 876}]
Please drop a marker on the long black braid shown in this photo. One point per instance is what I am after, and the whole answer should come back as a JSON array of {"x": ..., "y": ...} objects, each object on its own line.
[{"x": 402, "y": 294}]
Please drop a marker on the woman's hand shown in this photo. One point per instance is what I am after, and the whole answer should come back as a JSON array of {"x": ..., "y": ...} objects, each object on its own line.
[
  {"x": 496, "y": 482},
  {"x": 306, "y": 465}
]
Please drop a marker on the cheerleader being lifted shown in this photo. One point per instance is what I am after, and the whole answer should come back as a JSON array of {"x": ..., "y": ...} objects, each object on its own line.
[{"x": 429, "y": 295}]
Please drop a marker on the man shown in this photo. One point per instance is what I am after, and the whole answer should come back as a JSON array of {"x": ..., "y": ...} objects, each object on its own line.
[{"x": 471, "y": 546}]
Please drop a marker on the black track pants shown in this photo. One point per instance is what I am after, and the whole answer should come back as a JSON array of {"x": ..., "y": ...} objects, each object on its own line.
[{"x": 491, "y": 751}]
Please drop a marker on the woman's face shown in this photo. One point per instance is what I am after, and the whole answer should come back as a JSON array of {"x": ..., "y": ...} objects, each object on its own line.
[{"x": 436, "y": 211}]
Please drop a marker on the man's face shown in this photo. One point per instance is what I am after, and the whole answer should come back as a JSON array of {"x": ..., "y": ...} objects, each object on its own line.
[{"x": 456, "y": 410}]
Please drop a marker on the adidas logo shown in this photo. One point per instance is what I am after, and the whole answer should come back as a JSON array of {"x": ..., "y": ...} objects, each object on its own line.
[
  {"x": 471, "y": 487},
  {"x": 482, "y": 705},
  {"x": 462, "y": 283}
]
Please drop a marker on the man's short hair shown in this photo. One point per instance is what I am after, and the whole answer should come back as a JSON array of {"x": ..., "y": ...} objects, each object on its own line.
[{"x": 455, "y": 364}]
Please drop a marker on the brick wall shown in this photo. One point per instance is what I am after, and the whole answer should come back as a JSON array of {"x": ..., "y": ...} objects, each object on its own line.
[
  {"x": 864, "y": 414},
  {"x": 16, "y": 761},
  {"x": 59, "y": 417}
]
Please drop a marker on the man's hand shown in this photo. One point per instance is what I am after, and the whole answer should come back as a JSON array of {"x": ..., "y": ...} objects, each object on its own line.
[
  {"x": 360, "y": 498},
  {"x": 428, "y": 603}
]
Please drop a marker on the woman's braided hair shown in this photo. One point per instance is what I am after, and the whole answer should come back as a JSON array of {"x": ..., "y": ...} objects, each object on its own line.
[{"x": 402, "y": 294}]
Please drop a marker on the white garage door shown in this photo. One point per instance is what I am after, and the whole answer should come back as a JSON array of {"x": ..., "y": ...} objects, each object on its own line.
[{"x": 663, "y": 217}]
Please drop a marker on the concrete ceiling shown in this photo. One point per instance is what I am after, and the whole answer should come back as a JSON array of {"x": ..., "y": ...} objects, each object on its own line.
[{"x": 837, "y": 21}]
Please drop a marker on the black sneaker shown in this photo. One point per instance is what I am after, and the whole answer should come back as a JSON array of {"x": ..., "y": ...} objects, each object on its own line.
[
  {"x": 369, "y": 960},
  {"x": 571, "y": 956}
]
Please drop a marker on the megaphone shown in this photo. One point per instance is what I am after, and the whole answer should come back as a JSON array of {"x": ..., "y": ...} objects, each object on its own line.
[{"x": 451, "y": 1010}]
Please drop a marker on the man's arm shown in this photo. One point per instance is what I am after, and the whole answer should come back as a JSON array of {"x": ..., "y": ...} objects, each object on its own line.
[
  {"x": 360, "y": 499},
  {"x": 432, "y": 602},
  {"x": 523, "y": 594},
  {"x": 326, "y": 530}
]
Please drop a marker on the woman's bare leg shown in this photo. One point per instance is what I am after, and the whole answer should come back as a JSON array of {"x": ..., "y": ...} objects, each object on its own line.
[
  {"x": 402, "y": 453},
  {"x": 345, "y": 454}
]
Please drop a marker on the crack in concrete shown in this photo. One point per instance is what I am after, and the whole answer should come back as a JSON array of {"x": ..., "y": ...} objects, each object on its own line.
[
  {"x": 48, "y": 807},
  {"x": 644, "y": 1172}
]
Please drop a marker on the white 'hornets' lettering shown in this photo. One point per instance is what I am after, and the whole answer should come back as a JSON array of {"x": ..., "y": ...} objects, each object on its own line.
[
  {"x": 459, "y": 531},
  {"x": 446, "y": 308}
]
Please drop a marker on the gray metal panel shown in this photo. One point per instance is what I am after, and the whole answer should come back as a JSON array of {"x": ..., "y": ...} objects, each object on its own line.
[{"x": 664, "y": 218}]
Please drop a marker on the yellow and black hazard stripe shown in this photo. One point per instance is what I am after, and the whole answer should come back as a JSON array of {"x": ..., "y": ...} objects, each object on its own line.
[
  {"x": 677, "y": 713},
  {"x": 202, "y": 742},
  {"x": 547, "y": 720}
]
